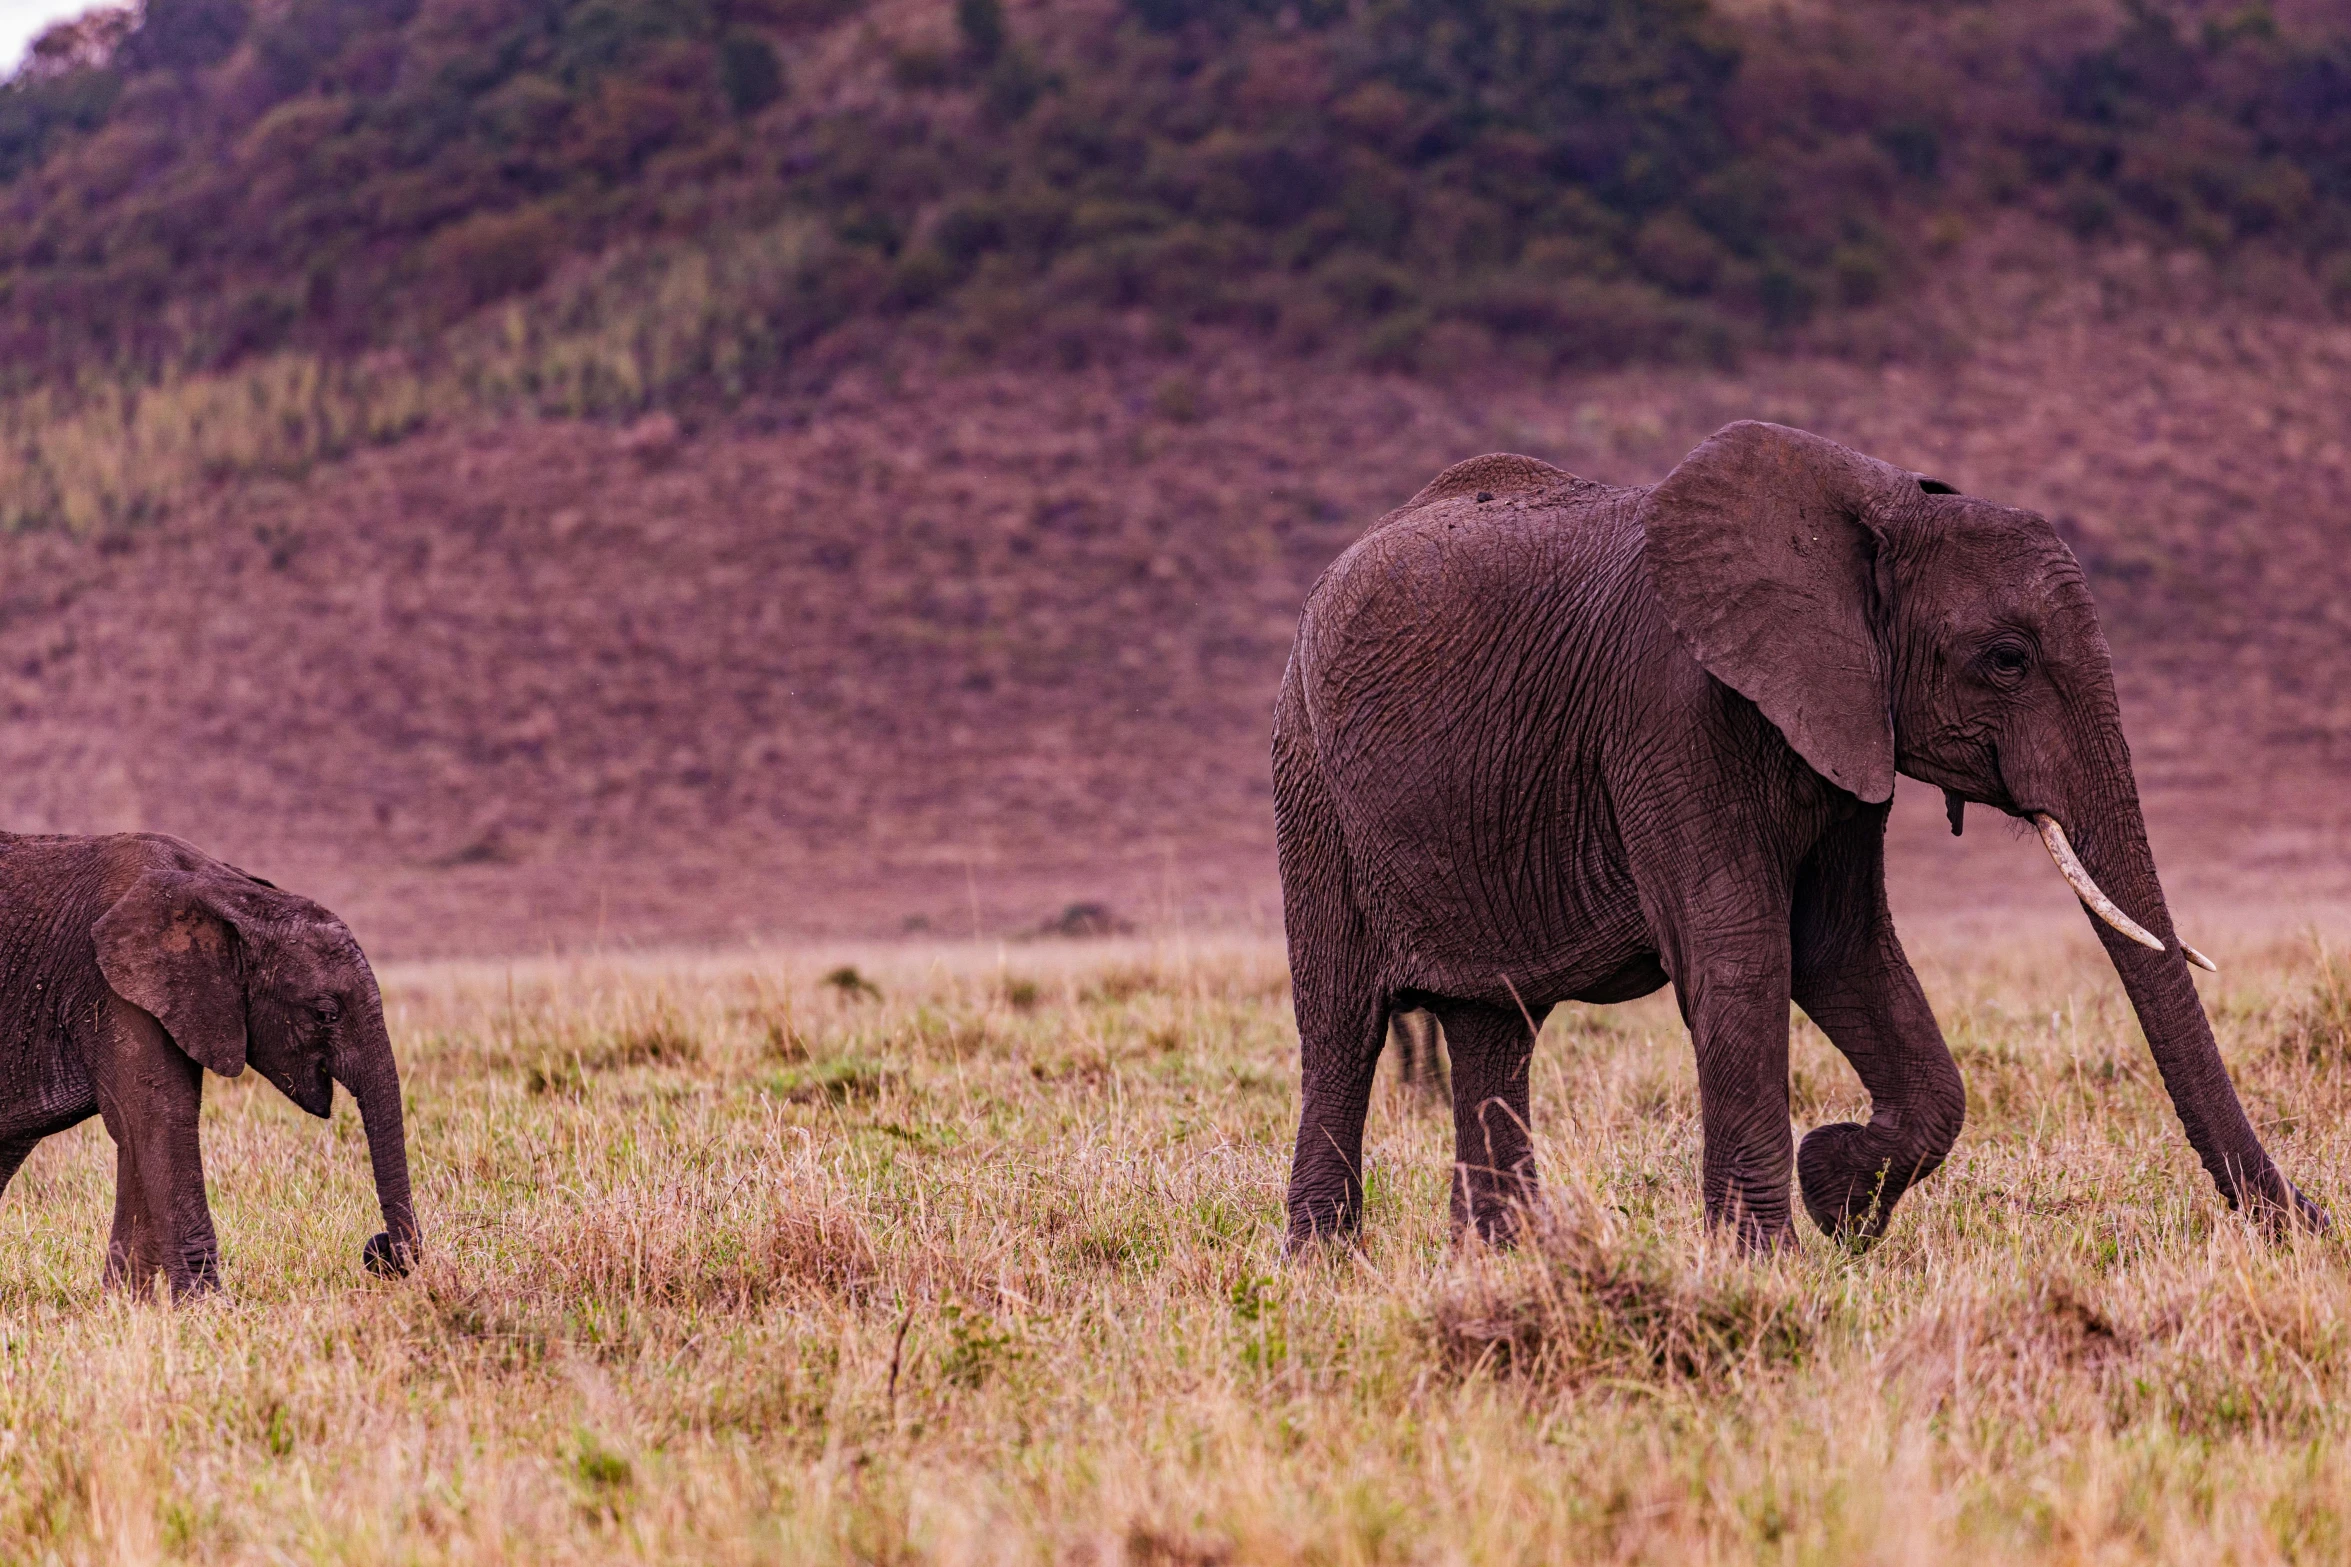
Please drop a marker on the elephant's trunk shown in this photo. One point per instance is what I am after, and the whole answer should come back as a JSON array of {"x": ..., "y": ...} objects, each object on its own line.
[
  {"x": 365, "y": 1067},
  {"x": 2109, "y": 833}
]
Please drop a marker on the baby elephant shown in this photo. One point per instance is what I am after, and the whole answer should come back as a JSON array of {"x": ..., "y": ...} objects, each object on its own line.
[{"x": 128, "y": 965}]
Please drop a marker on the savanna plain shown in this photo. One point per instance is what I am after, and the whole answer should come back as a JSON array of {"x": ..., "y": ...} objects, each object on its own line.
[{"x": 973, "y": 1253}]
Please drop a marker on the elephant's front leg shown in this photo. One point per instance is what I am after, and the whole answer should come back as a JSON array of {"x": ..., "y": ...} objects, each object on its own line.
[
  {"x": 152, "y": 1096},
  {"x": 1735, "y": 1001},
  {"x": 132, "y": 1256},
  {"x": 1852, "y": 979}
]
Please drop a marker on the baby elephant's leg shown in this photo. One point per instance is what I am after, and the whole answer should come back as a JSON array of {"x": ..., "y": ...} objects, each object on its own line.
[
  {"x": 131, "y": 1255},
  {"x": 174, "y": 1183},
  {"x": 151, "y": 1105},
  {"x": 13, "y": 1153}
]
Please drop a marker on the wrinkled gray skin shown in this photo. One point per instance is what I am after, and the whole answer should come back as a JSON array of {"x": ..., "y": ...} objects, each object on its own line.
[
  {"x": 132, "y": 963},
  {"x": 1543, "y": 740}
]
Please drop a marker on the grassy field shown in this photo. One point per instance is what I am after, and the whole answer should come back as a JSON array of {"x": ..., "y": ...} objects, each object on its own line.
[{"x": 729, "y": 1261}]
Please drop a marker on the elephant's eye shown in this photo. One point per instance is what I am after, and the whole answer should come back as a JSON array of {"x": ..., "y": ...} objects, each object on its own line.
[
  {"x": 2007, "y": 660},
  {"x": 325, "y": 1009}
]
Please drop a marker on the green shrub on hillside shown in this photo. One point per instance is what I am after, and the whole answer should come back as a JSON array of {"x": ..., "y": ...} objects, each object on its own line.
[{"x": 2232, "y": 132}]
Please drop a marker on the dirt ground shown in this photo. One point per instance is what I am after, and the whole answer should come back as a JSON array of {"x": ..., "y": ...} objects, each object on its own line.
[{"x": 949, "y": 651}]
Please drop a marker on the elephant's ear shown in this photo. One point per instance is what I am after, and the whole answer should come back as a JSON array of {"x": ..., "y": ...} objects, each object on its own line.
[
  {"x": 166, "y": 948},
  {"x": 1765, "y": 547}
]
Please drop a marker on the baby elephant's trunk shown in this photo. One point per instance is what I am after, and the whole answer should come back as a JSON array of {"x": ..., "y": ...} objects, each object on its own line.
[{"x": 366, "y": 1068}]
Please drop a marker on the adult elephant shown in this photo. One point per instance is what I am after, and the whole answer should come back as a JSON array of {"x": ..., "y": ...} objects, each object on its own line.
[
  {"x": 1542, "y": 740},
  {"x": 133, "y": 964}
]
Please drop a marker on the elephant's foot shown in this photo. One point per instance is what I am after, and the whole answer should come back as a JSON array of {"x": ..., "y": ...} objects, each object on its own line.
[
  {"x": 1757, "y": 1219},
  {"x": 130, "y": 1276},
  {"x": 1303, "y": 1241},
  {"x": 193, "y": 1274},
  {"x": 1492, "y": 1204},
  {"x": 1318, "y": 1220},
  {"x": 1499, "y": 1226},
  {"x": 1849, "y": 1190},
  {"x": 1757, "y": 1235}
]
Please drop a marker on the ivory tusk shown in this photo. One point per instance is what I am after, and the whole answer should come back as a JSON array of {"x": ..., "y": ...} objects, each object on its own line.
[
  {"x": 2070, "y": 867},
  {"x": 2199, "y": 959}
]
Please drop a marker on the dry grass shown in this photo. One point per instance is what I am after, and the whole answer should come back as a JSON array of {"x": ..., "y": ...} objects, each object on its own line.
[{"x": 736, "y": 1260}]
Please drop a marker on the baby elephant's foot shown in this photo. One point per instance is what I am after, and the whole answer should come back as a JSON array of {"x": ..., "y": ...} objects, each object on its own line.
[
  {"x": 197, "y": 1279},
  {"x": 197, "y": 1276},
  {"x": 1499, "y": 1225},
  {"x": 134, "y": 1272},
  {"x": 1757, "y": 1236},
  {"x": 128, "y": 1276}
]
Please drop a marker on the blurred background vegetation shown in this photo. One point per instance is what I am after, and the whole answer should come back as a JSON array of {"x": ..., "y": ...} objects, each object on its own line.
[{"x": 241, "y": 236}]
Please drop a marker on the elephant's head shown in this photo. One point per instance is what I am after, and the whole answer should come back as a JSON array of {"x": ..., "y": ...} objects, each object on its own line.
[
  {"x": 1885, "y": 623},
  {"x": 239, "y": 971}
]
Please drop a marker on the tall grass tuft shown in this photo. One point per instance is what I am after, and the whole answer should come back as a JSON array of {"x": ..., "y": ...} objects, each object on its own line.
[{"x": 1583, "y": 1301}]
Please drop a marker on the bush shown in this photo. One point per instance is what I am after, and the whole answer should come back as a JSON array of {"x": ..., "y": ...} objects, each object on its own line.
[
  {"x": 83, "y": 43},
  {"x": 1676, "y": 253},
  {"x": 494, "y": 254},
  {"x": 1395, "y": 343},
  {"x": 749, "y": 71},
  {"x": 37, "y": 111},
  {"x": 981, "y": 25},
  {"x": 921, "y": 276},
  {"x": 187, "y": 35}
]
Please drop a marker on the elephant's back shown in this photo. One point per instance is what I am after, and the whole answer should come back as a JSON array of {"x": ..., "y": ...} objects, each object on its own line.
[
  {"x": 1469, "y": 589},
  {"x": 1492, "y": 476},
  {"x": 48, "y": 865}
]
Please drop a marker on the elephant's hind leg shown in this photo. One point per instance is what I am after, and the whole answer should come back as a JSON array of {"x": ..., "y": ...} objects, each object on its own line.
[
  {"x": 1342, "y": 1005},
  {"x": 1850, "y": 976},
  {"x": 1492, "y": 1049},
  {"x": 1420, "y": 1050},
  {"x": 1342, "y": 1025},
  {"x": 1341, "y": 1028}
]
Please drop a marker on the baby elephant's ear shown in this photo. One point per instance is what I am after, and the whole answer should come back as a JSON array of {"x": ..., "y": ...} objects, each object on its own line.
[{"x": 164, "y": 949}]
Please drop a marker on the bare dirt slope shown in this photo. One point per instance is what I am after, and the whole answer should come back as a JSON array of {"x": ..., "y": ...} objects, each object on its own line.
[{"x": 959, "y": 651}]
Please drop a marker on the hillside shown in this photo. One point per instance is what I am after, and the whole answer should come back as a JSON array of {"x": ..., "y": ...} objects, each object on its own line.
[
  {"x": 979, "y": 644},
  {"x": 597, "y": 206},
  {"x": 541, "y": 472}
]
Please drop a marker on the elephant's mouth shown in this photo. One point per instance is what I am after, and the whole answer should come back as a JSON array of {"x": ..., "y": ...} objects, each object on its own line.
[{"x": 2077, "y": 876}]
